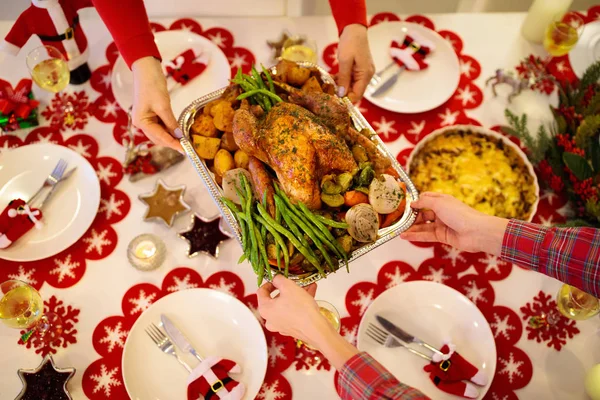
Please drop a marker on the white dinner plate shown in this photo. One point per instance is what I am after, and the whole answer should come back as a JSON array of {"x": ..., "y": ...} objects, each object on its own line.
[
  {"x": 170, "y": 45},
  {"x": 67, "y": 215},
  {"x": 215, "y": 323},
  {"x": 432, "y": 312},
  {"x": 587, "y": 49},
  {"x": 415, "y": 91}
]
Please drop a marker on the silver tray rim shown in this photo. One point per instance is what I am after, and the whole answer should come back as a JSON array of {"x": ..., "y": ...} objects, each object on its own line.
[{"x": 186, "y": 119}]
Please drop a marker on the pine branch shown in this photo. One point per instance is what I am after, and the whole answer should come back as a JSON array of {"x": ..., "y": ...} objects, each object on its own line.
[
  {"x": 590, "y": 77},
  {"x": 537, "y": 146},
  {"x": 587, "y": 131},
  {"x": 574, "y": 223},
  {"x": 594, "y": 105}
]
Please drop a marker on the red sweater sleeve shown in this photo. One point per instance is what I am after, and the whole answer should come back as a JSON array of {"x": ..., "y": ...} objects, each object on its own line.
[
  {"x": 346, "y": 12},
  {"x": 128, "y": 24}
]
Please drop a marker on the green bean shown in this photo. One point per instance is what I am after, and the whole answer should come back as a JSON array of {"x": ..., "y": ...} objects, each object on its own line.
[
  {"x": 313, "y": 217},
  {"x": 257, "y": 78},
  {"x": 254, "y": 259},
  {"x": 262, "y": 259},
  {"x": 311, "y": 234},
  {"x": 313, "y": 260},
  {"x": 278, "y": 239},
  {"x": 242, "y": 258},
  {"x": 256, "y": 91},
  {"x": 269, "y": 78},
  {"x": 330, "y": 222},
  {"x": 292, "y": 226}
]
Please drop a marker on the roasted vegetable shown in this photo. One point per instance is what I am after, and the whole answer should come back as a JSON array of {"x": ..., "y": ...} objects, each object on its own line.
[
  {"x": 346, "y": 242},
  {"x": 241, "y": 159},
  {"x": 344, "y": 180},
  {"x": 208, "y": 109},
  {"x": 312, "y": 85},
  {"x": 362, "y": 189},
  {"x": 332, "y": 200},
  {"x": 298, "y": 75},
  {"x": 218, "y": 178},
  {"x": 385, "y": 194},
  {"x": 228, "y": 142},
  {"x": 363, "y": 223},
  {"x": 359, "y": 153},
  {"x": 272, "y": 252},
  {"x": 223, "y": 116},
  {"x": 366, "y": 176},
  {"x": 223, "y": 162},
  {"x": 232, "y": 182},
  {"x": 329, "y": 185},
  {"x": 206, "y": 147},
  {"x": 354, "y": 197},
  {"x": 203, "y": 125}
]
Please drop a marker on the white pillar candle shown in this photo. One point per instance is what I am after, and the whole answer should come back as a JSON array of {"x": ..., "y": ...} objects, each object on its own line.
[
  {"x": 541, "y": 14},
  {"x": 592, "y": 382}
]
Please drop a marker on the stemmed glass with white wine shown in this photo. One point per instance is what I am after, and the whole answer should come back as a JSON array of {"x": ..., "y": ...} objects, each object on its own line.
[
  {"x": 50, "y": 71},
  {"x": 563, "y": 33},
  {"x": 576, "y": 304},
  {"x": 21, "y": 307}
]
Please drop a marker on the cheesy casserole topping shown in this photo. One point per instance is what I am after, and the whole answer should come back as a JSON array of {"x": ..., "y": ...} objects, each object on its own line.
[{"x": 478, "y": 169}]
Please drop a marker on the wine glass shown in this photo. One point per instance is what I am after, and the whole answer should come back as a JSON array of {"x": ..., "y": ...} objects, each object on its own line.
[
  {"x": 563, "y": 33},
  {"x": 331, "y": 314},
  {"x": 576, "y": 304},
  {"x": 298, "y": 48},
  {"x": 21, "y": 307},
  {"x": 49, "y": 69}
]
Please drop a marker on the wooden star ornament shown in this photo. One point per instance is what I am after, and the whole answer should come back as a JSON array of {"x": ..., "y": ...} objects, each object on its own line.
[
  {"x": 164, "y": 203},
  {"x": 204, "y": 236},
  {"x": 47, "y": 381}
]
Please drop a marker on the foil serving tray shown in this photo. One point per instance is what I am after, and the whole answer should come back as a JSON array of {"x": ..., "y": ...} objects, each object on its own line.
[{"x": 186, "y": 120}]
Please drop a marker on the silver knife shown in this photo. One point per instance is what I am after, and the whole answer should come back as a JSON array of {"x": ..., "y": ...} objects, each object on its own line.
[
  {"x": 178, "y": 337},
  {"x": 391, "y": 81},
  {"x": 403, "y": 335}
]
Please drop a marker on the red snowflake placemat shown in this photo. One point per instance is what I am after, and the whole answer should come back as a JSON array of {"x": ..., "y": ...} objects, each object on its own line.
[
  {"x": 106, "y": 108},
  {"x": 103, "y": 379},
  {"x": 68, "y": 267},
  {"x": 390, "y": 125},
  {"x": 471, "y": 275}
]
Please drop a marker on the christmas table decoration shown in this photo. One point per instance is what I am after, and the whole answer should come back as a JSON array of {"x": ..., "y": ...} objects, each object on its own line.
[
  {"x": 146, "y": 252},
  {"x": 277, "y": 45},
  {"x": 211, "y": 378},
  {"x": 56, "y": 23},
  {"x": 47, "y": 381},
  {"x": 204, "y": 236},
  {"x": 567, "y": 156},
  {"x": 18, "y": 109},
  {"x": 164, "y": 203}
]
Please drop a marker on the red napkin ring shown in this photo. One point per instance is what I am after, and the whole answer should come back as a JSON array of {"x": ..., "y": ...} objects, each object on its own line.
[
  {"x": 186, "y": 66},
  {"x": 16, "y": 220},
  {"x": 449, "y": 372},
  {"x": 411, "y": 53},
  {"x": 210, "y": 380}
]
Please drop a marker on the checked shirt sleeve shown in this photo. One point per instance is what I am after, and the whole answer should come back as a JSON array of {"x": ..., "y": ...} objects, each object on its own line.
[
  {"x": 571, "y": 255},
  {"x": 364, "y": 378}
]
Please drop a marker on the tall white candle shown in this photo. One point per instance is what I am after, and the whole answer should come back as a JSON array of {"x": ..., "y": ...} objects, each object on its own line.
[{"x": 541, "y": 14}]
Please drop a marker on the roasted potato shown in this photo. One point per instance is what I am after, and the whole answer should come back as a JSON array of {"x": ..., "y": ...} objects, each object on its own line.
[
  {"x": 312, "y": 85},
  {"x": 283, "y": 69},
  {"x": 208, "y": 108},
  {"x": 223, "y": 116},
  {"x": 329, "y": 89},
  {"x": 218, "y": 178},
  {"x": 223, "y": 162},
  {"x": 203, "y": 125},
  {"x": 206, "y": 147},
  {"x": 241, "y": 159},
  {"x": 228, "y": 142},
  {"x": 297, "y": 75}
]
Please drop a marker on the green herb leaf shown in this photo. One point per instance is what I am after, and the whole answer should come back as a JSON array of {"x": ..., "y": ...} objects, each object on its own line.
[{"x": 578, "y": 165}]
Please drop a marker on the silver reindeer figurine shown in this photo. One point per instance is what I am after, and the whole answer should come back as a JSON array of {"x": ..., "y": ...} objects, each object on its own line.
[{"x": 517, "y": 84}]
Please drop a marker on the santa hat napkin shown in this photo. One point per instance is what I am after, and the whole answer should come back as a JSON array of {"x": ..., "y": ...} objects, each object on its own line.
[
  {"x": 412, "y": 51},
  {"x": 186, "y": 66},
  {"x": 16, "y": 220},
  {"x": 210, "y": 380}
]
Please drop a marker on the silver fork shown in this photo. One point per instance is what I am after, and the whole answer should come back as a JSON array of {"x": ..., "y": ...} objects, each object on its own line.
[
  {"x": 56, "y": 177},
  {"x": 383, "y": 338},
  {"x": 165, "y": 345},
  {"x": 51, "y": 180},
  {"x": 376, "y": 79}
]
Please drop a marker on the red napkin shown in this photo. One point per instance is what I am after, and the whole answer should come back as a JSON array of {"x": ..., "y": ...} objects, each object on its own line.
[
  {"x": 449, "y": 372},
  {"x": 411, "y": 53},
  {"x": 210, "y": 380},
  {"x": 186, "y": 66},
  {"x": 16, "y": 99},
  {"x": 16, "y": 220}
]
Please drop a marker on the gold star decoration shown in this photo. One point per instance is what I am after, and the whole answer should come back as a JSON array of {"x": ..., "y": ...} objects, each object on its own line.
[
  {"x": 204, "y": 236},
  {"x": 46, "y": 381},
  {"x": 164, "y": 203},
  {"x": 69, "y": 119},
  {"x": 277, "y": 45}
]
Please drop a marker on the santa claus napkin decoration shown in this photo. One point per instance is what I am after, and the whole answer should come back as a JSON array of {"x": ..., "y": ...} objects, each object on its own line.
[
  {"x": 186, "y": 66},
  {"x": 450, "y": 371},
  {"x": 411, "y": 52},
  {"x": 56, "y": 23},
  {"x": 16, "y": 220},
  {"x": 210, "y": 380}
]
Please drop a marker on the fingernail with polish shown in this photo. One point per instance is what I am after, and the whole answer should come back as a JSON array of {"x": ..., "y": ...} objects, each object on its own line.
[
  {"x": 341, "y": 91},
  {"x": 178, "y": 133}
]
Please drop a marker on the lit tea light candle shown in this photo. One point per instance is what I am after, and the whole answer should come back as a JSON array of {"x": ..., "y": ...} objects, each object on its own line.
[{"x": 146, "y": 252}]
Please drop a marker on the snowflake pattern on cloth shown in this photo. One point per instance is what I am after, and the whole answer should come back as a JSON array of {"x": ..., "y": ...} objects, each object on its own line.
[
  {"x": 67, "y": 268},
  {"x": 103, "y": 379},
  {"x": 557, "y": 333},
  {"x": 61, "y": 120},
  {"x": 105, "y": 107},
  {"x": 68, "y": 315}
]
